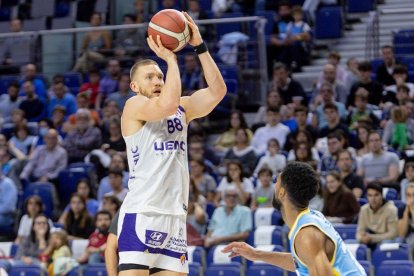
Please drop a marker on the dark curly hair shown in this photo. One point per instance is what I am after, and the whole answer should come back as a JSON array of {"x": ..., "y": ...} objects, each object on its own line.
[{"x": 301, "y": 183}]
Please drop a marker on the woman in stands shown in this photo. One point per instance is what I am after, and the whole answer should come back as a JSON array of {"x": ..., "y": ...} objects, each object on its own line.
[
  {"x": 78, "y": 223},
  {"x": 303, "y": 153},
  {"x": 303, "y": 136},
  {"x": 204, "y": 182},
  {"x": 362, "y": 133},
  {"x": 114, "y": 142},
  {"x": 22, "y": 144}
]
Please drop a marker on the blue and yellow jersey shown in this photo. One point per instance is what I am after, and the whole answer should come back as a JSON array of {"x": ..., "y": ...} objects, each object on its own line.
[{"x": 343, "y": 262}]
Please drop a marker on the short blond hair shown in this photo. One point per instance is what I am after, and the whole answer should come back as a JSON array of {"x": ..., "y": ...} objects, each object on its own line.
[{"x": 140, "y": 63}]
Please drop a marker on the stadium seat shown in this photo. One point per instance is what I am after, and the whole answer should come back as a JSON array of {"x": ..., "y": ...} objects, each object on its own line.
[
  {"x": 391, "y": 194},
  {"x": 72, "y": 80},
  {"x": 360, "y": 251},
  {"x": 267, "y": 235},
  {"x": 45, "y": 191},
  {"x": 362, "y": 201},
  {"x": 266, "y": 216},
  {"x": 74, "y": 272},
  {"x": 215, "y": 256},
  {"x": 196, "y": 254},
  {"x": 229, "y": 72},
  {"x": 231, "y": 85},
  {"x": 225, "y": 28},
  {"x": 78, "y": 247},
  {"x": 389, "y": 252},
  {"x": 346, "y": 231},
  {"x": 62, "y": 9},
  {"x": 25, "y": 270},
  {"x": 5, "y": 13},
  {"x": 367, "y": 266},
  {"x": 233, "y": 269},
  {"x": 194, "y": 269},
  {"x": 37, "y": 24},
  {"x": 409, "y": 62},
  {"x": 359, "y": 6},
  {"x": 9, "y": 3},
  {"x": 40, "y": 8},
  {"x": 328, "y": 23},
  {"x": 95, "y": 270},
  {"x": 62, "y": 23},
  {"x": 398, "y": 203},
  {"x": 264, "y": 270},
  {"x": 395, "y": 268},
  {"x": 205, "y": 5},
  {"x": 5, "y": 81},
  {"x": 68, "y": 180},
  {"x": 6, "y": 249}
]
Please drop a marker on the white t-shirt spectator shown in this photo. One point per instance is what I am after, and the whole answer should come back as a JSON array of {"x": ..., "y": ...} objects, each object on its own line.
[
  {"x": 25, "y": 226},
  {"x": 264, "y": 134},
  {"x": 224, "y": 185}
]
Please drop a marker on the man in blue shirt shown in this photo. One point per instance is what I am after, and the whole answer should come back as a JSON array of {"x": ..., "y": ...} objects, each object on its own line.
[
  {"x": 29, "y": 74},
  {"x": 61, "y": 97},
  {"x": 8, "y": 201}
]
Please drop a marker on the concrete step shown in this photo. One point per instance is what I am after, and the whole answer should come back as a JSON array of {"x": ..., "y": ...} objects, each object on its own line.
[
  {"x": 387, "y": 25},
  {"x": 382, "y": 32},
  {"x": 391, "y": 18},
  {"x": 397, "y": 5},
  {"x": 387, "y": 2},
  {"x": 350, "y": 47}
]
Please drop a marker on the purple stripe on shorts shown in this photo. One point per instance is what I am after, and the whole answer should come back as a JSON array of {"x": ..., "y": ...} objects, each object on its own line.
[{"x": 129, "y": 241}]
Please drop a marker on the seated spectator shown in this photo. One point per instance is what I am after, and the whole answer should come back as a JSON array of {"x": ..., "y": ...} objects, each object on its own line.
[
  {"x": 231, "y": 222},
  {"x": 333, "y": 121},
  {"x": 340, "y": 205},
  {"x": 190, "y": 76},
  {"x": 47, "y": 161},
  {"x": 58, "y": 119},
  {"x": 303, "y": 153},
  {"x": 129, "y": 42},
  {"x": 94, "y": 252},
  {"x": 409, "y": 178},
  {"x": 115, "y": 182},
  {"x": 273, "y": 160},
  {"x": 196, "y": 220},
  {"x": 90, "y": 89},
  {"x": 328, "y": 161},
  {"x": 301, "y": 116},
  {"x": 8, "y": 165},
  {"x": 58, "y": 78},
  {"x": 204, "y": 182},
  {"x": 31, "y": 247},
  {"x": 235, "y": 178},
  {"x": 400, "y": 75},
  {"x": 21, "y": 142},
  {"x": 114, "y": 142},
  {"x": 334, "y": 58},
  {"x": 124, "y": 92},
  {"x": 303, "y": 136},
  {"x": 316, "y": 203},
  {"x": 33, "y": 107},
  {"x": 8, "y": 201},
  {"x": 363, "y": 131},
  {"x": 399, "y": 131},
  {"x": 351, "y": 180},
  {"x": 352, "y": 73},
  {"x": 58, "y": 247},
  {"x": 109, "y": 83},
  {"x": 378, "y": 220},
  {"x": 110, "y": 110},
  {"x": 242, "y": 151},
  {"x": 82, "y": 103},
  {"x": 273, "y": 129},
  {"x": 339, "y": 91},
  {"x": 385, "y": 70},
  {"x": 62, "y": 97},
  {"x": 227, "y": 139},
  {"x": 273, "y": 100},
  {"x": 264, "y": 191},
  {"x": 361, "y": 111},
  {"x": 289, "y": 89},
  {"x": 82, "y": 140},
  {"x": 9, "y": 102},
  {"x": 29, "y": 73},
  {"x": 379, "y": 166},
  {"x": 111, "y": 204},
  {"x": 197, "y": 150},
  {"x": 94, "y": 45},
  {"x": 84, "y": 190},
  {"x": 78, "y": 223},
  {"x": 117, "y": 163},
  {"x": 402, "y": 95},
  {"x": 405, "y": 217}
]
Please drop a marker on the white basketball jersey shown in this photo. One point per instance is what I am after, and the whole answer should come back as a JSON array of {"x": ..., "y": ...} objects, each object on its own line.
[{"x": 158, "y": 167}]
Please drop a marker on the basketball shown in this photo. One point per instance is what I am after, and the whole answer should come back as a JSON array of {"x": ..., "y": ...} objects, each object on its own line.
[{"x": 172, "y": 27}]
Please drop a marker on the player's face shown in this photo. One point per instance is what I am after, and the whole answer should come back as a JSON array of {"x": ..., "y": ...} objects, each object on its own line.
[{"x": 149, "y": 81}]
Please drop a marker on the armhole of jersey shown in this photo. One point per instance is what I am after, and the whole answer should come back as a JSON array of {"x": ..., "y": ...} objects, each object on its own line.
[{"x": 326, "y": 234}]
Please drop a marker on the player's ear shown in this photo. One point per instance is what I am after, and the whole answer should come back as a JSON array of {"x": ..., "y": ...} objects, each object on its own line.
[
  {"x": 133, "y": 85},
  {"x": 282, "y": 193}
]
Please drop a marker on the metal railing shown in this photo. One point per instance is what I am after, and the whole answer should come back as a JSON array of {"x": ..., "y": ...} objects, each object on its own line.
[{"x": 372, "y": 42}]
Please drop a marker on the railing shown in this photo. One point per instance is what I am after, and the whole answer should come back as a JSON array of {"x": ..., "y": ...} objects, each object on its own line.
[{"x": 372, "y": 36}]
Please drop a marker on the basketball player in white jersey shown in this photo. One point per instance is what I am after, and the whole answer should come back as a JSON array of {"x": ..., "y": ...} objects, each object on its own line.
[{"x": 152, "y": 221}]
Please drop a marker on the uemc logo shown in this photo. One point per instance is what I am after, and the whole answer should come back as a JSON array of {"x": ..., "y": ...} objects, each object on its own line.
[
  {"x": 169, "y": 145},
  {"x": 154, "y": 238}
]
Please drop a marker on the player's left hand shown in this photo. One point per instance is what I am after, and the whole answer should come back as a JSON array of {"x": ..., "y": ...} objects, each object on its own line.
[
  {"x": 195, "y": 39},
  {"x": 241, "y": 249}
]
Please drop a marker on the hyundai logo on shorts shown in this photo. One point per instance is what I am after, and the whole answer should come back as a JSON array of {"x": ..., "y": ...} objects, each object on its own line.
[{"x": 154, "y": 238}]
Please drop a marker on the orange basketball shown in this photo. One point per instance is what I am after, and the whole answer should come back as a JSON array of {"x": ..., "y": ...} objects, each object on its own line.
[{"x": 172, "y": 27}]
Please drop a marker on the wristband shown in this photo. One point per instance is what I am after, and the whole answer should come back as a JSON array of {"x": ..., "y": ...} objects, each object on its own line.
[{"x": 200, "y": 49}]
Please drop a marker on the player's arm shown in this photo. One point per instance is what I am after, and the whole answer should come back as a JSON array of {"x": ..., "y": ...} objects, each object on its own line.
[
  {"x": 310, "y": 249},
  {"x": 111, "y": 255},
  {"x": 140, "y": 108},
  {"x": 282, "y": 260},
  {"x": 203, "y": 101}
]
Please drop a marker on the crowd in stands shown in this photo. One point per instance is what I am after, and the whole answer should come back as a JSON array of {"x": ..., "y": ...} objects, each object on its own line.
[{"x": 355, "y": 129}]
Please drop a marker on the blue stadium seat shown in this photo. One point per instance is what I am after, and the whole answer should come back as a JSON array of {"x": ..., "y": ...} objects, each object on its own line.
[
  {"x": 45, "y": 191},
  {"x": 411, "y": 76},
  {"x": 362, "y": 201},
  {"x": 229, "y": 72},
  {"x": 231, "y": 85},
  {"x": 402, "y": 38},
  {"x": 9, "y": 3},
  {"x": 346, "y": 231},
  {"x": 95, "y": 270},
  {"x": 5, "y": 13},
  {"x": 398, "y": 203},
  {"x": 266, "y": 235},
  {"x": 225, "y": 28},
  {"x": 194, "y": 269},
  {"x": 8, "y": 249},
  {"x": 328, "y": 23},
  {"x": 359, "y": 6},
  {"x": 196, "y": 254},
  {"x": 409, "y": 62},
  {"x": 360, "y": 251},
  {"x": 205, "y": 5},
  {"x": 389, "y": 252},
  {"x": 72, "y": 80},
  {"x": 5, "y": 81},
  {"x": 223, "y": 269},
  {"x": 210, "y": 207},
  {"x": 401, "y": 50},
  {"x": 25, "y": 270},
  {"x": 62, "y": 9},
  {"x": 68, "y": 180},
  {"x": 367, "y": 266},
  {"x": 392, "y": 194},
  {"x": 215, "y": 256},
  {"x": 74, "y": 272},
  {"x": 266, "y": 216},
  {"x": 395, "y": 268},
  {"x": 264, "y": 270}
]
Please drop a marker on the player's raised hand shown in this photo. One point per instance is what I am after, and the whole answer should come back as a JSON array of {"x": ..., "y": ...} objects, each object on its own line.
[
  {"x": 159, "y": 49},
  {"x": 195, "y": 39},
  {"x": 241, "y": 249}
]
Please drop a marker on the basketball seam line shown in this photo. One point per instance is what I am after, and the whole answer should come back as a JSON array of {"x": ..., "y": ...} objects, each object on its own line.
[
  {"x": 185, "y": 23},
  {"x": 172, "y": 34}
]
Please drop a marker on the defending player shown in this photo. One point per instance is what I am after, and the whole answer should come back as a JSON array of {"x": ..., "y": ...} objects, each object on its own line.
[
  {"x": 317, "y": 249},
  {"x": 152, "y": 221}
]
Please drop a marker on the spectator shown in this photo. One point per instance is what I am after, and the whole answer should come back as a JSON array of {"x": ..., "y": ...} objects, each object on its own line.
[
  {"x": 94, "y": 252},
  {"x": 405, "y": 217},
  {"x": 114, "y": 143},
  {"x": 402, "y": 95},
  {"x": 373, "y": 87},
  {"x": 289, "y": 89},
  {"x": 385, "y": 70},
  {"x": 399, "y": 131},
  {"x": 90, "y": 89},
  {"x": 400, "y": 75},
  {"x": 301, "y": 119},
  {"x": 58, "y": 247},
  {"x": 196, "y": 216},
  {"x": 263, "y": 193},
  {"x": 235, "y": 178},
  {"x": 115, "y": 182},
  {"x": 243, "y": 152},
  {"x": 379, "y": 166},
  {"x": 273, "y": 129},
  {"x": 328, "y": 162},
  {"x": 204, "y": 182},
  {"x": 352, "y": 73},
  {"x": 228, "y": 138},
  {"x": 58, "y": 119},
  {"x": 110, "y": 110},
  {"x": 340, "y": 93},
  {"x": 351, "y": 180},
  {"x": 316, "y": 203},
  {"x": 334, "y": 58},
  {"x": 222, "y": 6},
  {"x": 109, "y": 83},
  {"x": 84, "y": 190},
  {"x": 44, "y": 126},
  {"x": 82, "y": 140},
  {"x": 273, "y": 160},
  {"x": 21, "y": 142},
  {"x": 141, "y": 11},
  {"x": 197, "y": 13},
  {"x": 8, "y": 165},
  {"x": 47, "y": 161},
  {"x": 111, "y": 204},
  {"x": 129, "y": 42},
  {"x": 58, "y": 78},
  {"x": 9, "y": 102},
  {"x": 273, "y": 100},
  {"x": 304, "y": 136},
  {"x": 303, "y": 153},
  {"x": 196, "y": 150},
  {"x": 94, "y": 45},
  {"x": 231, "y": 222},
  {"x": 111, "y": 250},
  {"x": 363, "y": 131},
  {"x": 190, "y": 76},
  {"x": 82, "y": 103},
  {"x": 325, "y": 97},
  {"x": 78, "y": 223},
  {"x": 378, "y": 219},
  {"x": 63, "y": 98},
  {"x": 8, "y": 201},
  {"x": 117, "y": 163},
  {"x": 124, "y": 92},
  {"x": 409, "y": 177},
  {"x": 39, "y": 87},
  {"x": 361, "y": 111},
  {"x": 34, "y": 109},
  {"x": 340, "y": 204},
  {"x": 333, "y": 121}
]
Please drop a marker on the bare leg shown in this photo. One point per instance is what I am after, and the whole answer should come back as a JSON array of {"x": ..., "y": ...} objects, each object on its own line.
[
  {"x": 134, "y": 272},
  {"x": 169, "y": 273}
]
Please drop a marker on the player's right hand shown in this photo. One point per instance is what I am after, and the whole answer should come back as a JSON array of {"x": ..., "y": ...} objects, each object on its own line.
[
  {"x": 160, "y": 50},
  {"x": 241, "y": 249}
]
